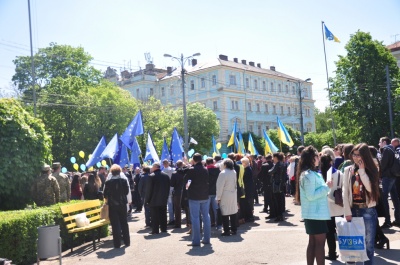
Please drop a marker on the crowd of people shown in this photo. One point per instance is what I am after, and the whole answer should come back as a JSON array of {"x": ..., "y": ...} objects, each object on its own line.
[{"x": 221, "y": 193}]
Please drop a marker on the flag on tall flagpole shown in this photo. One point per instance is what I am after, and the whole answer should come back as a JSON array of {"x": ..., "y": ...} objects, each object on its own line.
[
  {"x": 233, "y": 135},
  {"x": 270, "y": 147},
  {"x": 112, "y": 148},
  {"x": 283, "y": 134},
  {"x": 96, "y": 155},
  {"x": 151, "y": 153},
  {"x": 329, "y": 35},
  {"x": 251, "y": 147},
  {"x": 134, "y": 128},
  {"x": 136, "y": 153},
  {"x": 122, "y": 157},
  {"x": 241, "y": 149},
  {"x": 165, "y": 151}
]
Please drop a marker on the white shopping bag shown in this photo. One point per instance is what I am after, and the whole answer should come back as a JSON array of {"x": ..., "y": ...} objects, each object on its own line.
[{"x": 351, "y": 238}]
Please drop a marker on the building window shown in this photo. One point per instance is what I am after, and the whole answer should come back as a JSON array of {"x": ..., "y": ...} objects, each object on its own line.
[
  {"x": 151, "y": 91},
  {"x": 203, "y": 83},
  {"x": 293, "y": 90},
  {"x": 272, "y": 87},
  {"x": 137, "y": 93},
  {"x": 273, "y": 109},
  {"x": 162, "y": 91},
  {"x": 287, "y": 89},
  {"x": 192, "y": 85},
  {"x": 233, "y": 104},
  {"x": 266, "y": 108},
  {"x": 281, "y": 110},
  {"x": 259, "y": 130},
  {"x": 255, "y": 84},
  {"x": 250, "y": 128},
  {"x": 232, "y": 80},
  {"x": 307, "y": 112},
  {"x": 248, "y": 106},
  {"x": 214, "y": 80},
  {"x": 288, "y": 110},
  {"x": 247, "y": 83},
  {"x": 295, "y": 111},
  {"x": 305, "y": 92},
  {"x": 266, "y": 128},
  {"x": 172, "y": 90},
  {"x": 215, "y": 105},
  {"x": 237, "y": 105},
  {"x": 279, "y": 88},
  {"x": 264, "y": 85},
  {"x": 258, "y": 107}
]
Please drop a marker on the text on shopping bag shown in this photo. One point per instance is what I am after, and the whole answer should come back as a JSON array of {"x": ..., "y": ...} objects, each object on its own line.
[{"x": 351, "y": 242}]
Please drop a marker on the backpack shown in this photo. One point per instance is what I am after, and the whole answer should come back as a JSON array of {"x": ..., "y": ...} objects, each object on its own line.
[{"x": 395, "y": 168}]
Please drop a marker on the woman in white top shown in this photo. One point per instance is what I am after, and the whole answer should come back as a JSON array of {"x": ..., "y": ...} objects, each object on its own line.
[{"x": 331, "y": 173}]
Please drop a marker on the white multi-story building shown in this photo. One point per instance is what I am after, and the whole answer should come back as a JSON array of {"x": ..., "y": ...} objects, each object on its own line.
[{"x": 235, "y": 91}]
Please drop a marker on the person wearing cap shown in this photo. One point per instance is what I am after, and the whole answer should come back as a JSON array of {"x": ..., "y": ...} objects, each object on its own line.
[
  {"x": 63, "y": 182},
  {"x": 45, "y": 189}
]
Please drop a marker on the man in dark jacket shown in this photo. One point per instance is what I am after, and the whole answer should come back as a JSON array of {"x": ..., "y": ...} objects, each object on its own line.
[
  {"x": 177, "y": 185},
  {"x": 199, "y": 203},
  {"x": 157, "y": 192},
  {"x": 388, "y": 182},
  {"x": 278, "y": 182},
  {"x": 142, "y": 191},
  {"x": 265, "y": 180}
]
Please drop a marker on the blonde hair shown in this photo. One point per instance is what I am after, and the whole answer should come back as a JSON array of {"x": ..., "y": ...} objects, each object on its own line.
[{"x": 245, "y": 160}]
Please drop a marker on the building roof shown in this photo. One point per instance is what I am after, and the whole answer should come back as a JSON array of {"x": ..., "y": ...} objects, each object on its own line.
[
  {"x": 240, "y": 66},
  {"x": 394, "y": 47}
]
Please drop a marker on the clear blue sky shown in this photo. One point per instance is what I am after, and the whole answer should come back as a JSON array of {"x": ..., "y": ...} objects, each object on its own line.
[{"x": 284, "y": 33}]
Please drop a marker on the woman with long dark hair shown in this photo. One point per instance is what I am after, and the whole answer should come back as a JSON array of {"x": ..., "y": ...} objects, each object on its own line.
[
  {"x": 313, "y": 192},
  {"x": 361, "y": 192},
  {"x": 348, "y": 160},
  {"x": 91, "y": 190},
  {"x": 76, "y": 190}
]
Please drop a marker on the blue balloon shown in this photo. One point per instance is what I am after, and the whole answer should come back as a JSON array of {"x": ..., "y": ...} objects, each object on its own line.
[
  {"x": 205, "y": 157},
  {"x": 224, "y": 155},
  {"x": 73, "y": 160},
  {"x": 64, "y": 170},
  {"x": 107, "y": 167},
  {"x": 98, "y": 164},
  {"x": 83, "y": 167}
]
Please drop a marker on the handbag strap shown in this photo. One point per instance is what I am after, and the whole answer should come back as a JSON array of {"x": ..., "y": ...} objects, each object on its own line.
[{"x": 338, "y": 179}]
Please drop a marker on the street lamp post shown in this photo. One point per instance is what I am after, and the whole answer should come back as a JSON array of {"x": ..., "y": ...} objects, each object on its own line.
[
  {"x": 301, "y": 109},
  {"x": 182, "y": 60}
]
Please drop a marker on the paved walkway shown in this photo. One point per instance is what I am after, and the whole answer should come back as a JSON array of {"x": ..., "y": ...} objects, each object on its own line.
[{"x": 261, "y": 242}]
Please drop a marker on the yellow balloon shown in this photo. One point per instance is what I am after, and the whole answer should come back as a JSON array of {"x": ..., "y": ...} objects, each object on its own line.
[
  {"x": 76, "y": 166},
  {"x": 214, "y": 154},
  {"x": 91, "y": 169},
  {"x": 82, "y": 154},
  {"x": 104, "y": 163},
  {"x": 218, "y": 146},
  {"x": 90, "y": 156}
]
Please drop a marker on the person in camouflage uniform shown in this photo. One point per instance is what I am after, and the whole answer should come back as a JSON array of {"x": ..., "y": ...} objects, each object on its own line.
[
  {"x": 45, "y": 189},
  {"x": 63, "y": 182}
]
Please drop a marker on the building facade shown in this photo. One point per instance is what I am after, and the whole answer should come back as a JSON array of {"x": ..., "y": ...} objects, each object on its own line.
[
  {"x": 235, "y": 91},
  {"x": 395, "y": 50}
]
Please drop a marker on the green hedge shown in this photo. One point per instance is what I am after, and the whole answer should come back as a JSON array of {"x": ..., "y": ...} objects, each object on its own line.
[{"x": 18, "y": 232}]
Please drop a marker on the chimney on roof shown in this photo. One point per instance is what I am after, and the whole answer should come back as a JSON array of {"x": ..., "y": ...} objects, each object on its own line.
[
  {"x": 272, "y": 68},
  {"x": 149, "y": 66},
  {"x": 169, "y": 70},
  {"x": 235, "y": 60},
  {"x": 251, "y": 63},
  {"x": 194, "y": 62},
  {"x": 243, "y": 61},
  {"x": 259, "y": 65},
  {"x": 223, "y": 57}
]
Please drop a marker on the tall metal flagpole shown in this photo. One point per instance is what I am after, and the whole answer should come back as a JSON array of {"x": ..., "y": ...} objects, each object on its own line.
[{"x": 327, "y": 81}]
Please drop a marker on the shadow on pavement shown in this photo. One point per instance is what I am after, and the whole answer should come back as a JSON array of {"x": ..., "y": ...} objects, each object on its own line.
[
  {"x": 156, "y": 236},
  {"x": 112, "y": 253},
  {"x": 231, "y": 239},
  {"x": 203, "y": 250}
]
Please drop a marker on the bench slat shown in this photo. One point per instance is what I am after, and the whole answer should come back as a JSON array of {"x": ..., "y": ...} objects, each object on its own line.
[
  {"x": 80, "y": 206},
  {"x": 90, "y": 226}
]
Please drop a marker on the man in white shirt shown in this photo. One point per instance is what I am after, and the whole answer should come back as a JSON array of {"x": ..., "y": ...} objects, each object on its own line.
[{"x": 169, "y": 170}]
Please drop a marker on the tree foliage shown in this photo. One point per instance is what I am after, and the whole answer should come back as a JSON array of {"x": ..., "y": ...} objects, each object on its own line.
[
  {"x": 24, "y": 148},
  {"x": 359, "y": 96},
  {"x": 54, "y": 61}
]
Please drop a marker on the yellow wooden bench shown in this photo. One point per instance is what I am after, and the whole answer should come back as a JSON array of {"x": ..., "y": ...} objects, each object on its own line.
[{"x": 92, "y": 209}]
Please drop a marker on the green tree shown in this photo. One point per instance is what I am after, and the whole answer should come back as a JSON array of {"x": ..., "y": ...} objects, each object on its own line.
[
  {"x": 359, "y": 96},
  {"x": 202, "y": 125},
  {"x": 51, "y": 62},
  {"x": 24, "y": 148}
]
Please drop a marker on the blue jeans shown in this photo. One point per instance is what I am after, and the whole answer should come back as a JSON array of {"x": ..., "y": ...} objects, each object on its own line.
[
  {"x": 147, "y": 217},
  {"x": 170, "y": 205},
  {"x": 388, "y": 185},
  {"x": 370, "y": 220},
  {"x": 196, "y": 208},
  {"x": 214, "y": 206}
]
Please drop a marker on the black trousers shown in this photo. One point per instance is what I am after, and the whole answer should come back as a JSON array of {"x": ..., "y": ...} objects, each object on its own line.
[
  {"x": 279, "y": 204},
  {"x": 225, "y": 223},
  {"x": 330, "y": 237},
  {"x": 176, "y": 200},
  {"x": 119, "y": 222},
  {"x": 158, "y": 218},
  {"x": 269, "y": 200}
]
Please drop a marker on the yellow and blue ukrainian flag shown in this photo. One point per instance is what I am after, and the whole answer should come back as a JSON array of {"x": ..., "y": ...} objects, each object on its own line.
[
  {"x": 283, "y": 134},
  {"x": 329, "y": 35}
]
